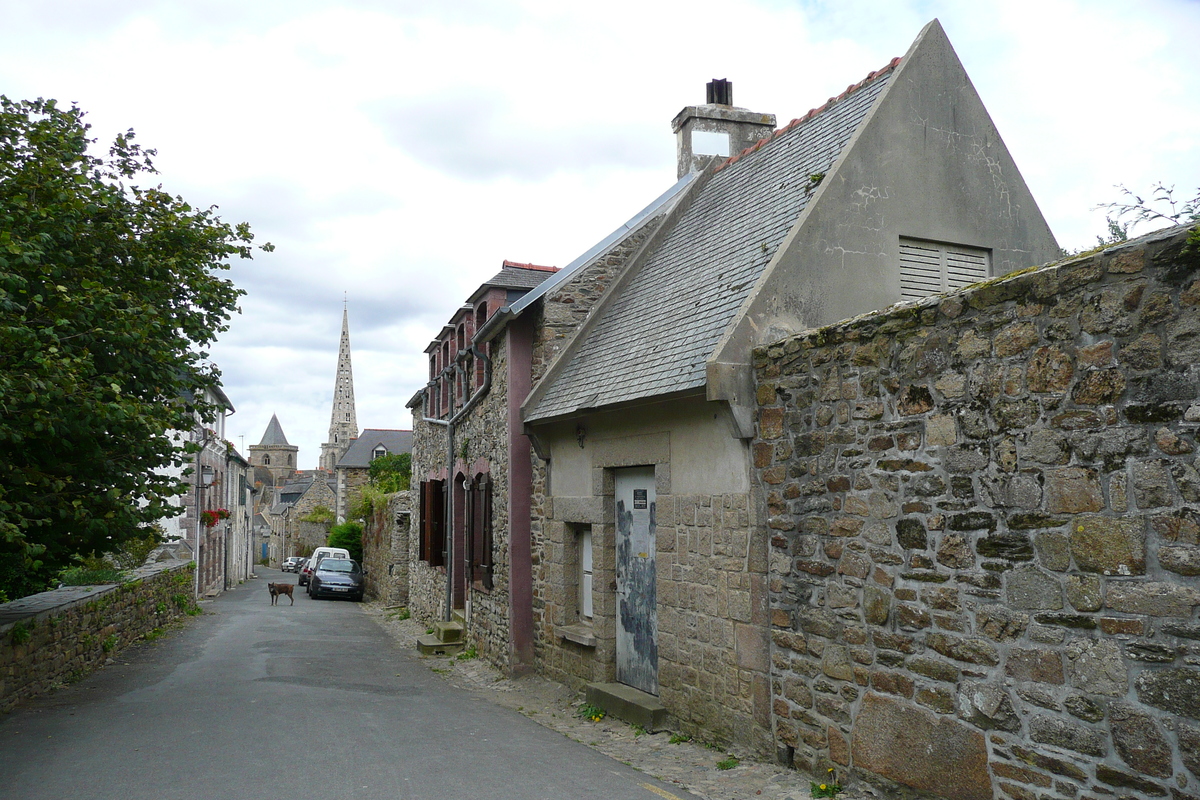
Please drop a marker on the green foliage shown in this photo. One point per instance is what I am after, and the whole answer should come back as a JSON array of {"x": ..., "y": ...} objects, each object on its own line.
[
  {"x": 1160, "y": 206},
  {"x": 638, "y": 730},
  {"x": 109, "y": 295},
  {"x": 21, "y": 633},
  {"x": 320, "y": 514},
  {"x": 728, "y": 762},
  {"x": 679, "y": 738},
  {"x": 90, "y": 570},
  {"x": 590, "y": 711},
  {"x": 401, "y": 614},
  {"x": 468, "y": 653},
  {"x": 349, "y": 536},
  {"x": 391, "y": 472},
  {"x": 830, "y": 788},
  {"x": 109, "y": 644}
]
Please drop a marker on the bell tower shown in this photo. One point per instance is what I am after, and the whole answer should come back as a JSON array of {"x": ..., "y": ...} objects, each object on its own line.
[{"x": 343, "y": 423}]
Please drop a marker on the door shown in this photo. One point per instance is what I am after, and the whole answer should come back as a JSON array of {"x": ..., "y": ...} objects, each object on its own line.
[{"x": 637, "y": 617}]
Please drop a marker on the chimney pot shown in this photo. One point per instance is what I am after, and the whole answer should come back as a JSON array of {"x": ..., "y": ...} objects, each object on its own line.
[{"x": 720, "y": 92}]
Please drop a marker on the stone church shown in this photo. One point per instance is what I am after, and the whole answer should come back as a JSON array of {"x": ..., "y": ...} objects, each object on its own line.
[{"x": 287, "y": 493}]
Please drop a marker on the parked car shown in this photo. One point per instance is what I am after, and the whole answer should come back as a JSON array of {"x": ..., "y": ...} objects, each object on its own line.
[
  {"x": 337, "y": 577},
  {"x": 292, "y": 563},
  {"x": 305, "y": 571}
]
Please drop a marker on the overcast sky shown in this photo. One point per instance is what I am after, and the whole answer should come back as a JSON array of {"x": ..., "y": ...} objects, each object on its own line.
[{"x": 397, "y": 152}]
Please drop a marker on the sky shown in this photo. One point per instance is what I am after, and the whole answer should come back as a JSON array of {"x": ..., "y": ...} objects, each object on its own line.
[{"x": 396, "y": 153}]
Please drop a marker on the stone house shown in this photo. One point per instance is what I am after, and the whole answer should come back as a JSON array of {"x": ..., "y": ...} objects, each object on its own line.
[
  {"x": 353, "y": 469},
  {"x": 291, "y": 535},
  {"x": 469, "y": 551},
  {"x": 642, "y": 491},
  {"x": 984, "y": 537}
]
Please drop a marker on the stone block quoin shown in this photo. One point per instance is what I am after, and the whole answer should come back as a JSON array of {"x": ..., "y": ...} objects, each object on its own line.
[{"x": 984, "y": 515}]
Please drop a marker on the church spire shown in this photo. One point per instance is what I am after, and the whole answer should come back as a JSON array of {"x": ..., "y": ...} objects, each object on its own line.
[{"x": 343, "y": 423}]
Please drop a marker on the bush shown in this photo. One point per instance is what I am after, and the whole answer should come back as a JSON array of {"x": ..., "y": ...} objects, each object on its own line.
[{"x": 349, "y": 536}]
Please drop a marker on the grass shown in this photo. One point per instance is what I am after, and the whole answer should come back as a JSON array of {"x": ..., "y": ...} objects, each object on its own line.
[
  {"x": 467, "y": 654},
  {"x": 729, "y": 762},
  {"x": 679, "y": 738}
]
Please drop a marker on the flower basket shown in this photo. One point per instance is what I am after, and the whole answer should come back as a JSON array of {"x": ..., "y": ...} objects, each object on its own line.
[{"x": 209, "y": 519}]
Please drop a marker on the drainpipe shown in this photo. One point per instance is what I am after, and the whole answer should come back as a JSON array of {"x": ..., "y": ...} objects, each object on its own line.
[{"x": 451, "y": 424}]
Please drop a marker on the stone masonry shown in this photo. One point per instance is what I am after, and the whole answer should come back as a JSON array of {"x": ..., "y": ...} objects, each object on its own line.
[
  {"x": 56, "y": 637},
  {"x": 985, "y": 534}
]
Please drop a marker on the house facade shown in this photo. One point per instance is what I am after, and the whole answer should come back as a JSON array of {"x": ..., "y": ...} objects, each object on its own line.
[
  {"x": 353, "y": 470},
  {"x": 642, "y": 424}
]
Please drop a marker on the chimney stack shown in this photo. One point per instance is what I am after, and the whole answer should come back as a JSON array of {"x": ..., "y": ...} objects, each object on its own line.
[{"x": 716, "y": 128}]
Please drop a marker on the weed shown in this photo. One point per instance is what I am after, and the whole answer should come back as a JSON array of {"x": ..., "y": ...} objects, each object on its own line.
[
  {"x": 153, "y": 634},
  {"x": 401, "y": 615},
  {"x": 728, "y": 763},
  {"x": 193, "y": 611},
  {"x": 109, "y": 644},
  {"x": 829, "y": 789},
  {"x": 467, "y": 654},
  {"x": 428, "y": 631},
  {"x": 160, "y": 607},
  {"x": 638, "y": 730},
  {"x": 679, "y": 738},
  {"x": 21, "y": 633},
  {"x": 590, "y": 711},
  {"x": 180, "y": 599}
]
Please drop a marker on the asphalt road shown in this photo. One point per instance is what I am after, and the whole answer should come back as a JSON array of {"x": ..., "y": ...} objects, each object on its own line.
[{"x": 306, "y": 701}]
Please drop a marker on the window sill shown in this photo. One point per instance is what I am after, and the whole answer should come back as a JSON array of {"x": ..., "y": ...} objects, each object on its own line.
[
  {"x": 580, "y": 633},
  {"x": 477, "y": 586}
]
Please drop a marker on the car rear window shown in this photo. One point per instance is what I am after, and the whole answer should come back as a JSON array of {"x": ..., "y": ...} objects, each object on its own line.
[{"x": 337, "y": 565}]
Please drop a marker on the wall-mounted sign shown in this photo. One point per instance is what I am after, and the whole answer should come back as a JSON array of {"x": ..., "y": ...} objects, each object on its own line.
[{"x": 640, "y": 501}]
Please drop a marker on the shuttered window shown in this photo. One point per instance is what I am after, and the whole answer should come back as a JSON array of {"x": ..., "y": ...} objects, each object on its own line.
[
  {"x": 433, "y": 523},
  {"x": 929, "y": 268}
]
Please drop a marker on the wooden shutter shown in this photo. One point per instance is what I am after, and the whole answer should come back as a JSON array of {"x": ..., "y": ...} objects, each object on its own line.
[{"x": 929, "y": 268}]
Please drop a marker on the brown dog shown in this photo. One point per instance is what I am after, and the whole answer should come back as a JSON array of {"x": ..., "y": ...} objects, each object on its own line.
[{"x": 277, "y": 589}]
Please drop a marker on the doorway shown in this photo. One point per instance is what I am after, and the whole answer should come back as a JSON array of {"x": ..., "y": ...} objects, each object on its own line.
[{"x": 637, "y": 600}]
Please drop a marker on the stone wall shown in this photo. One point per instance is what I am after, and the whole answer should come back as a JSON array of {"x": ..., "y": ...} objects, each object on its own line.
[
  {"x": 57, "y": 637},
  {"x": 385, "y": 550},
  {"x": 986, "y": 537},
  {"x": 426, "y": 584}
]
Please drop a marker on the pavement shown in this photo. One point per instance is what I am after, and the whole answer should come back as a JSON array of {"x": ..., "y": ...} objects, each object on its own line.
[{"x": 690, "y": 765}]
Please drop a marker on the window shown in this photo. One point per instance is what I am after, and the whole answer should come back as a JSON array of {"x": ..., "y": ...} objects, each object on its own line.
[
  {"x": 479, "y": 521},
  {"x": 583, "y": 548},
  {"x": 266, "y": 459},
  {"x": 929, "y": 268},
  {"x": 378, "y": 452},
  {"x": 433, "y": 523}
]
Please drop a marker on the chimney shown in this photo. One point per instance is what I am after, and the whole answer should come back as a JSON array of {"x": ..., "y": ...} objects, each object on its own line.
[{"x": 716, "y": 128}]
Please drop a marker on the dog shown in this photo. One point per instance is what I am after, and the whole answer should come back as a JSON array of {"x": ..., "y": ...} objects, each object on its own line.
[{"x": 277, "y": 589}]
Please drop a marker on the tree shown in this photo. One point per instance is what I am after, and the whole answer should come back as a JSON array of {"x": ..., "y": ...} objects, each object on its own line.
[
  {"x": 391, "y": 472},
  {"x": 109, "y": 295}
]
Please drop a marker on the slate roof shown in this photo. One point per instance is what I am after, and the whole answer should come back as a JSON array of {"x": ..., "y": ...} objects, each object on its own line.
[
  {"x": 358, "y": 454},
  {"x": 513, "y": 275},
  {"x": 654, "y": 337},
  {"x": 273, "y": 435}
]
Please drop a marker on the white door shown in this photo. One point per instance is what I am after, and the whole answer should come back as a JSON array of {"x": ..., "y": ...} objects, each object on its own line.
[{"x": 637, "y": 602}]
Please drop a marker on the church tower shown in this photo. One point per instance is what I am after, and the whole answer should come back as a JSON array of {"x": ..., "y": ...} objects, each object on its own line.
[
  {"x": 343, "y": 424},
  {"x": 273, "y": 454}
]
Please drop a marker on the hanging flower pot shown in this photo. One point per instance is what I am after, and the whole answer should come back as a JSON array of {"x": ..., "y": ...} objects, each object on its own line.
[{"x": 209, "y": 519}]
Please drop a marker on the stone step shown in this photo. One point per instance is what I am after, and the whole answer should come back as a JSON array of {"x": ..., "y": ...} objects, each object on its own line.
[
  {"x": 631, "y": 705},
  {"x": 448, "y": 632},
  {"x": 429, "y": 645}
]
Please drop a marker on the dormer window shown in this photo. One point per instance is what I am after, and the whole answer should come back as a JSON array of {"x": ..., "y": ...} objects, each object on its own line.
[{"x": 378, "y": 452}]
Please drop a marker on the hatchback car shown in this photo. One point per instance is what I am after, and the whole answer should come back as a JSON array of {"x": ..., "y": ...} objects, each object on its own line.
[
  {"x": 305, "y": 570},
  {"x": 337, "y": 577},
  {"x": 292, "y": 563}
]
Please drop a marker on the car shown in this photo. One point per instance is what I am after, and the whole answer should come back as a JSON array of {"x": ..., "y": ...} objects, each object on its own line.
[
  {"x": 305, "y": 571},
  {"x": 337, "y": 577},
  {"x": 292, "y": 563}
]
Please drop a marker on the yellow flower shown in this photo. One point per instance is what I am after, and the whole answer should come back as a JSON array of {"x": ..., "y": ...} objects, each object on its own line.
[
  {"x": 823, "y": 787},
  {"x": 829, "y": 770}
]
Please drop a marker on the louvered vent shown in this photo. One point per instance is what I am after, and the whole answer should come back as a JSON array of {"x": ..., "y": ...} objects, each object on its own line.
[{"x": 929, "y": 268}]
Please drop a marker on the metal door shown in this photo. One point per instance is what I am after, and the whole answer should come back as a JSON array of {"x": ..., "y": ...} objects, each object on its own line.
[{"x": 637, "y": 617}]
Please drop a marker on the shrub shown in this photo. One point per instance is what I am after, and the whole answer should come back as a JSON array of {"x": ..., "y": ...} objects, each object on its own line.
[{"x": 349, "y": 536}]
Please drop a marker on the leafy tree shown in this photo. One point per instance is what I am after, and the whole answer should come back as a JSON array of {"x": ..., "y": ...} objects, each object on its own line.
[
  {"x": 1159, "y": 207},
  {"x": 109, "y": 295},
  {"x": 391, "y": 472},
  {"x": 349, "y": 536}
]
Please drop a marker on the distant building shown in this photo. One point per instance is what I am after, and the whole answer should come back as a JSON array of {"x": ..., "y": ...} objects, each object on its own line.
[
  {"x": 343, "y": 422},
  {"x": 354, "y": 467}
]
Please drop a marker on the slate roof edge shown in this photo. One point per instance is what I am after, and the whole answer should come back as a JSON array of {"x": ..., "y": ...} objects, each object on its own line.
[
  {"x": 566, "y": 273},
  {"x": 727, "y": 350},
  {"x": 689, "y": 187}
]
